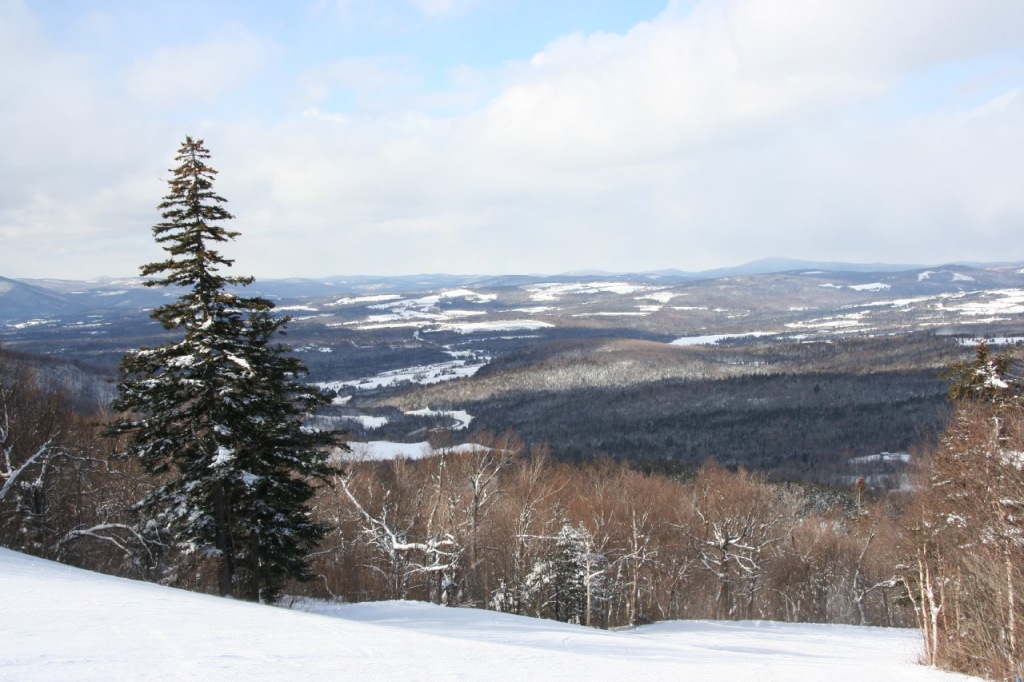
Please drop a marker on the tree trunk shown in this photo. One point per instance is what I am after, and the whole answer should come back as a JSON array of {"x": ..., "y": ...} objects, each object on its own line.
[{"x": 222, "y": 539}]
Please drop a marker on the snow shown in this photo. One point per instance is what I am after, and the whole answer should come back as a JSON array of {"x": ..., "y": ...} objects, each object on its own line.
[
  {"x": 992, "y": 381},
  {"x": 901, "y": 457},
  {"x": 711, "y": 339},
  {"x": 836, "y": 322},
  {"x": 993, "y": 341},
  {"x": 1010, "y": 302},
  {"x": 659, "y": 296},
  {"x": 300, "y": 308},
  {"x": 533, "y": 310},
  {"x": 72, "y": 624},
  {"x": 1014, "y": 458},
  {"x": 224, "y": 456},
  {"x": 365, "y": 299},
  {"x": 423, "y": 374},
  {"x": 313, "y": 348},
  {"x": 241, "y": 362},
  {"x": 551, "y": 291},
  {"x": 955, "y": 276},
  {"x": 424, "y": 312},
  {"x": 873, "y": 286},
  {"x": 182, "y": 362},
  {"x": 31, "y": 323},
  {"x": 380, "y": 450},
  {"x": 385, "y": 449},
  {"x": 461, "y": 417},
  {"x": 468, "y": 295},
  {"x": 494, "y": 326},
  {"x": 366, "y": 421},
  {"x": 902, "y": 302}
]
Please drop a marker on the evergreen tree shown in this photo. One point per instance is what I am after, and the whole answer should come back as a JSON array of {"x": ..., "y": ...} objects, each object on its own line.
[
  {"x": 217, "y": 414},
  {"x": 569, "y": 565},
  {"x": 988, "y": 377},
  {"x": 568, "y": 582}
]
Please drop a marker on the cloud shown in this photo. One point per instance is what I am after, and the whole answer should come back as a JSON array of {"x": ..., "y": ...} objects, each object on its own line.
[
  {"x": 181, "y": 75},
  {"x": 374, "y": 83},
  {"x": 437, "y": 8},
  {"x": 714, "y": 133},
  {"x": 401, "y": 13},
  {"x": 725, "y": 70}
]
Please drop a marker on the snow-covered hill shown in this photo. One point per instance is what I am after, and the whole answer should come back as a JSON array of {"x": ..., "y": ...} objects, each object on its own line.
[{"x": 61, "y": 623}]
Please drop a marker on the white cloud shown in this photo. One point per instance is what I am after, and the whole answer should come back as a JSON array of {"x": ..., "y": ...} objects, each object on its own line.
[
  {"x": 436, "y": 8},
  {"x": 712, "y": 134},
  {"x": 179, "y": 75},
  {"x": 725, "y": 70}
]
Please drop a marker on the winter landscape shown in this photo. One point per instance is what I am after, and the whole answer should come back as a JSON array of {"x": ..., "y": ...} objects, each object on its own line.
[
  {"x": 512, "y": 339},
  {"x": 75, "y": 625}
]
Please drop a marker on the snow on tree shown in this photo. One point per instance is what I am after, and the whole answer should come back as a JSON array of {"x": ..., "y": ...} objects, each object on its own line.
[
  {"x": 398, "y": 537},
  {"x": 570, "y": 581},
  {"x": 25, "y": 451},
  {"x": 987, "y": 377},
  {"x": 962, "y": 571},
  {"x": 964, "y": 574},
  {"x": 217, "y": 414}
]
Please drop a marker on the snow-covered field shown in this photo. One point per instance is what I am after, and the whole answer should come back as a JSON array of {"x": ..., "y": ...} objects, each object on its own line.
[
  {"x": 711, "y": 339},
  {"x": 65, "y": 624},
  {"x": 381, "y": 450}
]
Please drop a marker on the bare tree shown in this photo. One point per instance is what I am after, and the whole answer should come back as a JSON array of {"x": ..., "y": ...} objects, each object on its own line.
[
  {"x": 737, "y": 520},
  {"x": 968, "y": 531}
]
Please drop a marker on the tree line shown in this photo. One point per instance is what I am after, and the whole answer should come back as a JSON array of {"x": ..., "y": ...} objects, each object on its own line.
[{"x": 508, "y": 528}]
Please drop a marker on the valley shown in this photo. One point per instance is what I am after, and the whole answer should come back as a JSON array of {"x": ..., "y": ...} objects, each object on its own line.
[{"x": 795, "y": 373}]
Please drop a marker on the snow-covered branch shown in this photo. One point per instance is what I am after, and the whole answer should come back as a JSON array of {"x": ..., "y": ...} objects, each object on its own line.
[
  {"x": 10, "y": 473},
  {"x": 98, "y": 533}
]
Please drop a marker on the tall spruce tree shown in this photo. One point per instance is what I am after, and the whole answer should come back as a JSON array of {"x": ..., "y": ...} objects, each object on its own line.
[{"x": 217, "y": 415}]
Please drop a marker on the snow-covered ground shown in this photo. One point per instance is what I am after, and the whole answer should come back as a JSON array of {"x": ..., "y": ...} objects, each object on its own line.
[
  {"x": 551, "y": 291},
  {"x": 365, "y": 421},
  {"x": 384, "y": 449},
  {"x": 424, "y": 374},
  {"x": 711, "y": 339},
  {"x": 462, "y": 418},
  {"x": 379, "y": 450},
  {"x": 67, "y": 624}
]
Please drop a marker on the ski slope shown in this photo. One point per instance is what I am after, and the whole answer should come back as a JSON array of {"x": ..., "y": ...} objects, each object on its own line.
[{"x": 62, "y": 623}]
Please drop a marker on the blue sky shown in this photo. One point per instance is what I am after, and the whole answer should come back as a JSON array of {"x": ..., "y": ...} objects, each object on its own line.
[{"x": 500, "y": 136}]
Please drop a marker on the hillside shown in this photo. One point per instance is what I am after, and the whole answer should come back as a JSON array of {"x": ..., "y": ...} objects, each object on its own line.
[
  {"x": 793, "y": 372},
  {"x": 72, "y": 624}
]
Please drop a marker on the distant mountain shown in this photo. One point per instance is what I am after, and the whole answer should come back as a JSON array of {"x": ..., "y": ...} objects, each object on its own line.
[
  {"x": 19, "y": 300},
  {"x": 46, "y": 298},
  {"x": 765, "y": 266}
]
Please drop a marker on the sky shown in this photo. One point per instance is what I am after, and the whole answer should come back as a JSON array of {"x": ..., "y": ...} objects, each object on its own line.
[{"x": 389, "y": 137}]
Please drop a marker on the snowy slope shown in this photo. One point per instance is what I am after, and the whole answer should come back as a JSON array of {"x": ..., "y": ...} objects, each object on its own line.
[{"x": 61, "y": 623}]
